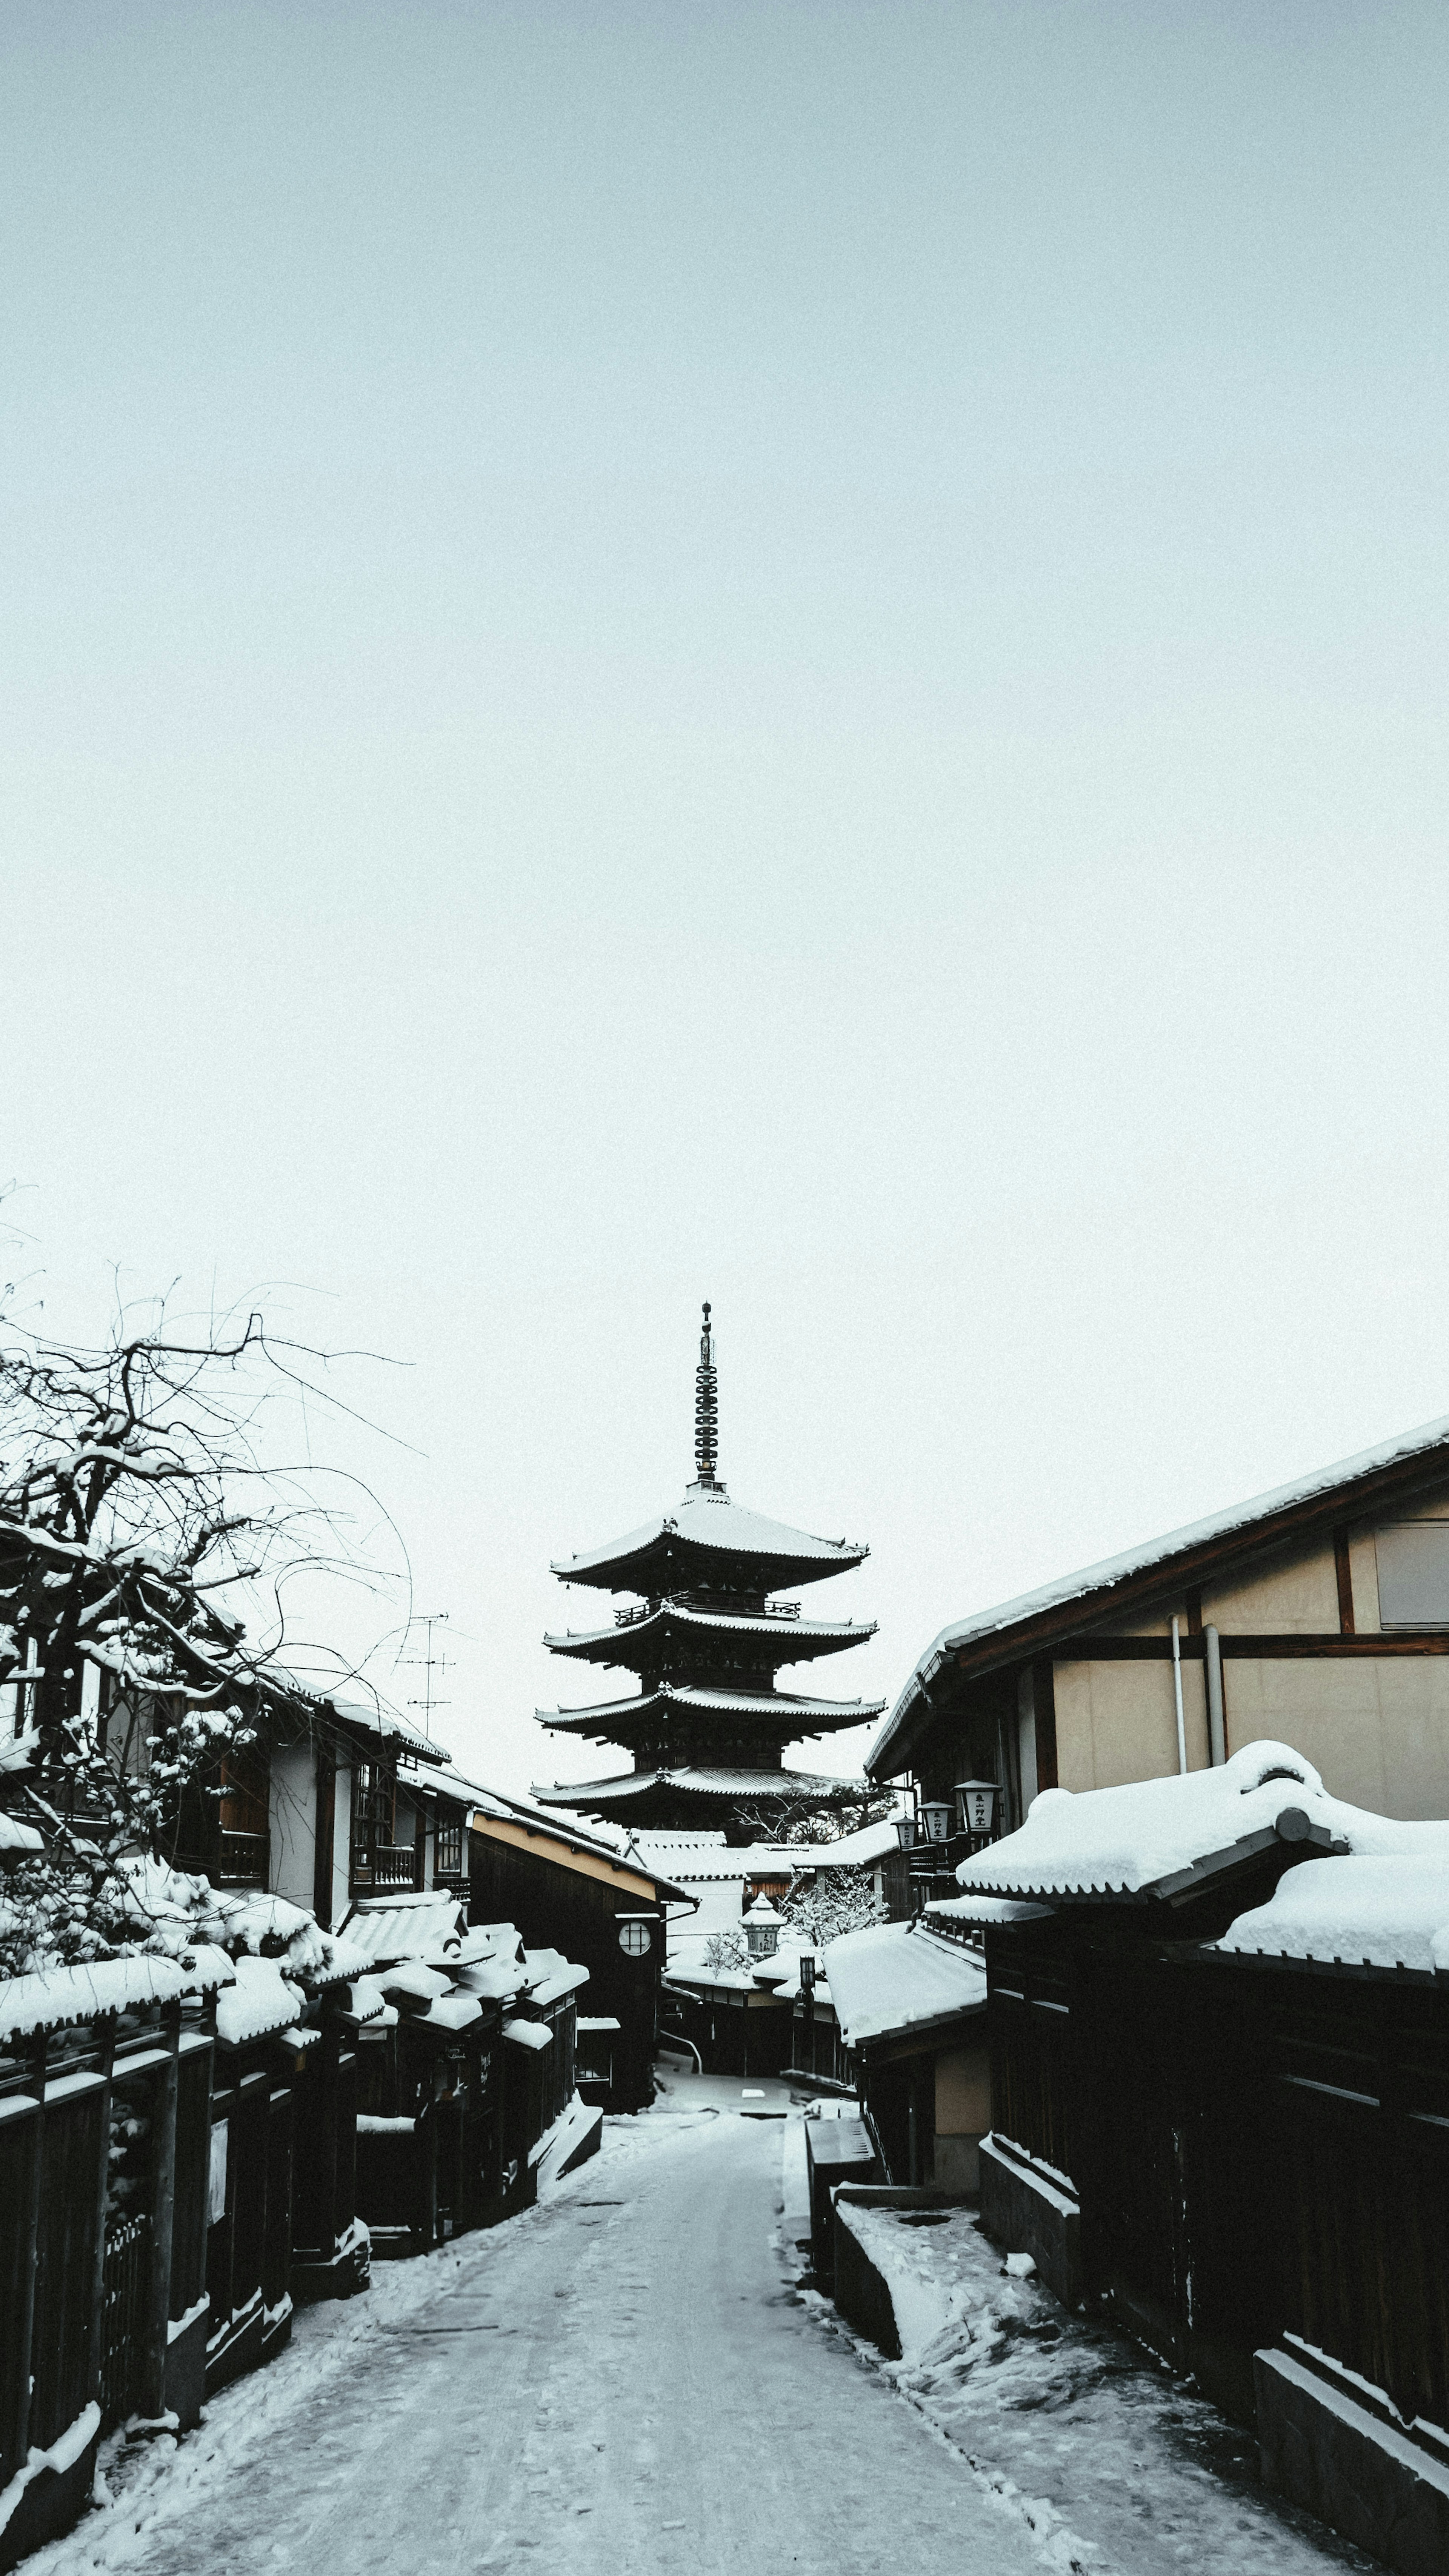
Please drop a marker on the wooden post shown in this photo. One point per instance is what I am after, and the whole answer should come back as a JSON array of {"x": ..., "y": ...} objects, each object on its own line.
[
  {"x": 324, "y": 1824},
  {"x": 163, "y": 2210},
  {"x": 31, "y": 2245},
  {"x": 329, "y": 2053},
  {"x": 92, "y": 2382}
]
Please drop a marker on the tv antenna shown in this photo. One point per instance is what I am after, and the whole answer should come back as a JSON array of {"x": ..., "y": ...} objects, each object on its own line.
[{"x": 428, "y": 1663}]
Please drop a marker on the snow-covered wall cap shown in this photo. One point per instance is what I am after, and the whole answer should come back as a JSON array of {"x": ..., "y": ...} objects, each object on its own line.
[
  {"x": 210, "y": 1969},
  {"x": 528, "y": 2034},
  {"x": 404, "y": 1927},
  {"x": 1357, "y": 1912},
  {"x": 896, "y": 1977},
  {"x": 1154, "y": 1837},
  {"x": 262, "y": 2000},
  {"x": 51, "y": 1996},
  {"x": 451, "y": 2012},
  {"x": 550, "y": 1975}
]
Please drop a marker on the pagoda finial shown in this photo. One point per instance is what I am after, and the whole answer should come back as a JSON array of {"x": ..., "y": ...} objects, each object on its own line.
[{"x": 706, "y": 1408}]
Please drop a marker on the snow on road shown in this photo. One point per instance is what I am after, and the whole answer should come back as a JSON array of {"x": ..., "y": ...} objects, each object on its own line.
[{"x": 624, "y": 2378}]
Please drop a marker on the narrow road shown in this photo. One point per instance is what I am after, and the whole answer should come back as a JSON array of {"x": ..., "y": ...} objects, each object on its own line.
[{"x": 620, "y": 2382}]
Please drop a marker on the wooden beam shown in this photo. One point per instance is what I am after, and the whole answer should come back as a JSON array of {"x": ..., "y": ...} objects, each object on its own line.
[{"x": 1344, "y": 1573}]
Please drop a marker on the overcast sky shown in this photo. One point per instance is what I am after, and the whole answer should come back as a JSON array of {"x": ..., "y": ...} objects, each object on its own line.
[{"x": 793, "y": 654}]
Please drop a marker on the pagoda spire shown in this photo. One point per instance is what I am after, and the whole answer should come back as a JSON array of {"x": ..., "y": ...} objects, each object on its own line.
[{"x": 706, "y": 1411}]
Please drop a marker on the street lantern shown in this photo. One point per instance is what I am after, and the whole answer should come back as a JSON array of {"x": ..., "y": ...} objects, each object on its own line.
[
  {"x": 807, "y": 1972},
  {"x": 906, "y": 1832},
  {"x": 976, "y": 1806},
  {"x": 763, "y": 1927},
  {"x": 935, "y": 1820}
]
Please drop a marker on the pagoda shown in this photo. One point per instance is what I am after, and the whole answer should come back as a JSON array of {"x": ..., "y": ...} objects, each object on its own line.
[{"x": 704, "y": 1639}]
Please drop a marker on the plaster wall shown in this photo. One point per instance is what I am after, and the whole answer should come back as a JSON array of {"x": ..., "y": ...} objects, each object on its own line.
[
  {"x": 1281, "y": 1595},
  {"x": 1118, "y": 1722},
  {"x": 1378, "y": 1732},
  {"x": 292, "y": 1817}
]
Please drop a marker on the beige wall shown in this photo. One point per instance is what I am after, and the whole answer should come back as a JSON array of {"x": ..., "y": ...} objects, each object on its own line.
[
  {"x": 1118, "y": 1722},
  {"x": 292, "y": 1817},
  {"x": 1288, "y": 1593}
]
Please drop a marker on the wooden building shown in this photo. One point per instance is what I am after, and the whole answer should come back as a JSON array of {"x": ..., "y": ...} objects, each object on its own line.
[
  {"x": 1219, "y": 2101},
  {"x": 568, "y": 1889},
  {"x": 911, "y": 2010},
  {"x": 1317, "y": 1615}
]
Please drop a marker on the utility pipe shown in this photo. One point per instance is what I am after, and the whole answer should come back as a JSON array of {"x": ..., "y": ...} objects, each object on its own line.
[
  {"x": 1217, "y": 1728},
  {"x": 1177, "y": 1697}
]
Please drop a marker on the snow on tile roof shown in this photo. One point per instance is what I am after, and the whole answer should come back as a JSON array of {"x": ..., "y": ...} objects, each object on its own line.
[
  {"x": 1110, "y": 1571},
  {"x": 1154, "y": 1835},
  {"x": 897, "y": 1977},
  {"x": 792, "y": 1712},
  {"x": 383, "y": 1928},
  {"x": 450, "y": 2012},
  {"x": 262, "y": 2000},
  {"x": 773, "y": 1785},
  {"x": 1371, "y": 1911},
  {"x": 711, "y": 1520},
  {"x": 789, "y": 1633},
  {"x": 986, "y": 1910},
  {"x": 550, "y": 1975},
  {"x": 411, "y": 1979},
  {"x": 50, "y": 1996}
]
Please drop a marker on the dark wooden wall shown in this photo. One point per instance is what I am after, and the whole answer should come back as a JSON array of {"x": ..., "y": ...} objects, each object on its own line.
[{"x": 556, "y": 1908}]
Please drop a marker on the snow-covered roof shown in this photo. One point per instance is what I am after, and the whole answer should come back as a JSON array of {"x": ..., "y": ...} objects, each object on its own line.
[
  {"x": 1155, "y": 1837},
  {"x": 796, "y": 1638},
  {"x": 787, "y": 1713},
  {"x": 51, "y": 1996},
  {"x": 1093, "y": 1586},
  {"x": 986, "y": 1910},
  {"x": 373, "y": 1719},
  {"x": 404, "y": 1927},
  {"x": 262, "y": 2000},
  {"x": 707, "y": 1519},
  {"x": 897, "y": 1977},
  {"x": 773, "y": 1785},
  {"x": 551, "y": 1975},
  {"x": 1370, "y": 1911},
  {"x": 450, "y": 2012},
  {"x": 528, "y": 2034},
  {"x": 16, "y": 1837},
  {"x": 697, "y": 1858},
  {"x": 502, "y": 1809}
]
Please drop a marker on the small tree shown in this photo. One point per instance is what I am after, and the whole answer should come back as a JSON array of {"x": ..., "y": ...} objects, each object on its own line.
[
  {"x": 137, "y": 1524},
  {"x": 725, "y": 1951},
  {"x": 831, "y": 1902}
]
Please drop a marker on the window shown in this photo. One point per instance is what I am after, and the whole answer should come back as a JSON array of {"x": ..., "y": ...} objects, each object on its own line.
[
  {"x": 634, "y": 1940},
  {"x": 1413, "y": 1560},
  {"x": 448, "y": 1847}
]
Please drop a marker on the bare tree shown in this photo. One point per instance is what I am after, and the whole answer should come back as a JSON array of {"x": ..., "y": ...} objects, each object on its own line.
[{"x": 140, "y": 1522}]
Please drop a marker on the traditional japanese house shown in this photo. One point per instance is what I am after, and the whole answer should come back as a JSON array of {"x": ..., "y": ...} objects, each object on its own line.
[
  {"x": 568, "y": 1889},
  {"x": 458, "y": 2121},
  {"x": 706, "y": 1641},
  {"x": 1317, "y": 1614},
  {"x": 911, "y": 2011}
]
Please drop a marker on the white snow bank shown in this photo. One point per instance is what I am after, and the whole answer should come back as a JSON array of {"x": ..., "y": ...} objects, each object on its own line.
[
  {"x": 261, "y": 2001},
  {"x": 451, "y": 2012},
  {"x": 55, "y": 1995},
  {"x": 62, "y": 2455},
  {"x": 1105, "y": 1841},
  {"x": 895, "y": 1976},
  {"x": 1373, "y": 1912}
]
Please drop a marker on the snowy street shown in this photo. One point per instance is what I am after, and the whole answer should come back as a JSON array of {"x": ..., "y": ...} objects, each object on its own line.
[{"x": 624, "y": 2378}]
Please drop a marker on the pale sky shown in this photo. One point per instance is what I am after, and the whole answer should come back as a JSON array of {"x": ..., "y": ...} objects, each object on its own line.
[{"x": 793, "y": 654}]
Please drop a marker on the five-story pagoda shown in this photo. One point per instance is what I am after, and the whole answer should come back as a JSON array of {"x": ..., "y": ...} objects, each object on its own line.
[{"x": 708, "y": 1729}]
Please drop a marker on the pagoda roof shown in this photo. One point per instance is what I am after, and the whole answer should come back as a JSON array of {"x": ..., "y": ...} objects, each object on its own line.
[
  {"x": 795, "y": 1713},
  {"x": 631, "y": 1786},
  {"x": 709, "y": 1536},
  {"x": 620, "y": 1641}
]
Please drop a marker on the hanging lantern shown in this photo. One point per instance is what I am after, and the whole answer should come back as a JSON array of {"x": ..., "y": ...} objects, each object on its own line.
[
  {"x": 763, "y": 1927},
  {"x": 976, "y": 1806},
  {"x": 935, "y": 1820}
]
